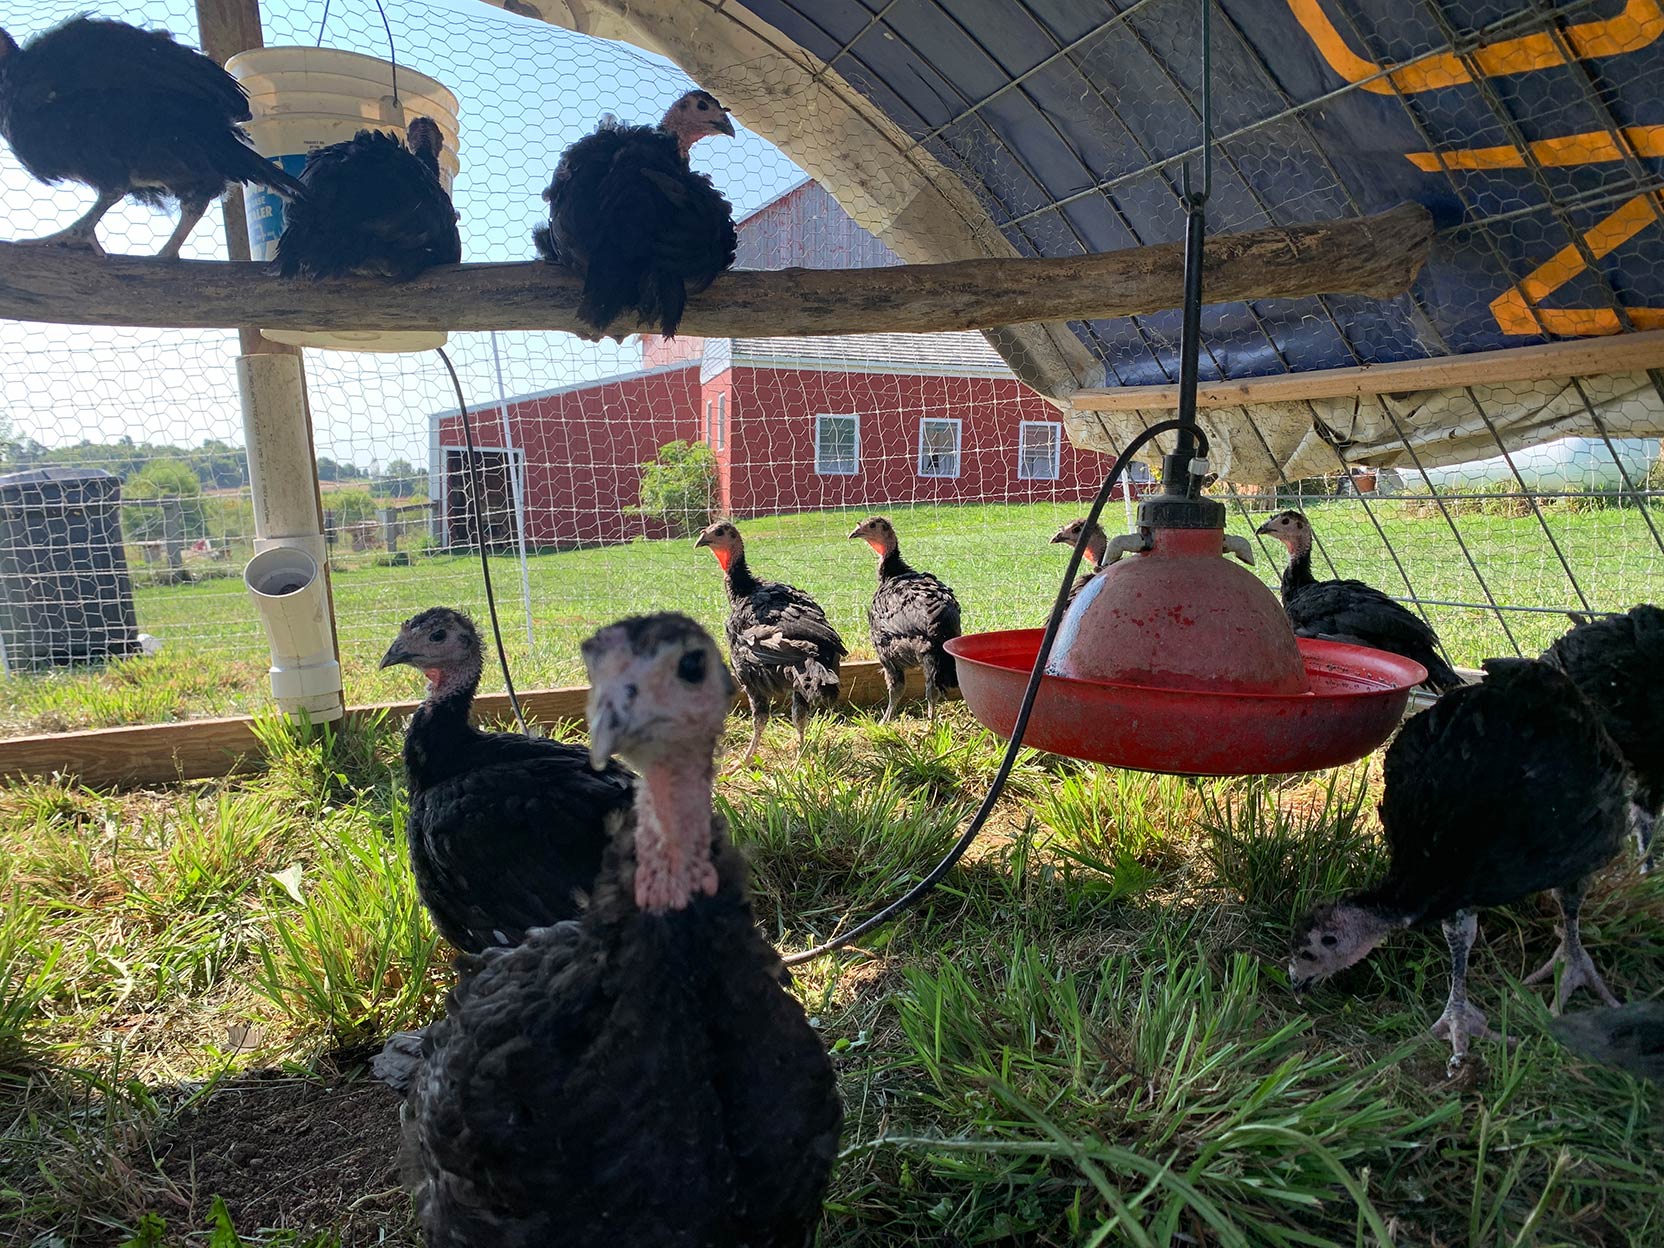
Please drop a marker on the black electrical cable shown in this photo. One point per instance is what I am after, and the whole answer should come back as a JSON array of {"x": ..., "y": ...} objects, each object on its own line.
[
  {"x": 474, "y": 496},
  {"x": 913, "y": 895}
]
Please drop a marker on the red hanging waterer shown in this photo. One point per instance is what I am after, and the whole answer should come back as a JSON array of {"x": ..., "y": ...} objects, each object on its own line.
[{"x": 1173, "y": 611}]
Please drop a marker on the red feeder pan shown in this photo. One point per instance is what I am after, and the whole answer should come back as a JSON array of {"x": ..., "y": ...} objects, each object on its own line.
[{"x": 1178, "y": 660}]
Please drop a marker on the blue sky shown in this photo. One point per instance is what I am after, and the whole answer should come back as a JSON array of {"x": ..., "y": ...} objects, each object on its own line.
[{"x": 526, "y": 90}]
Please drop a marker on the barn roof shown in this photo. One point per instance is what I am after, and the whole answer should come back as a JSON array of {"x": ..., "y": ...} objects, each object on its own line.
[
  {"x": 1530, "y": 128},
  {"x": 964, "y": 354}
]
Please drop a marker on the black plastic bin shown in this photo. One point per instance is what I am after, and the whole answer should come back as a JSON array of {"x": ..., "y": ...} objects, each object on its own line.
[{"x": 65, "y": 596}]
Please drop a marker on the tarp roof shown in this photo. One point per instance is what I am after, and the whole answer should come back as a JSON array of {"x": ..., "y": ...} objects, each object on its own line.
[{"x": 1531, "y": 129}]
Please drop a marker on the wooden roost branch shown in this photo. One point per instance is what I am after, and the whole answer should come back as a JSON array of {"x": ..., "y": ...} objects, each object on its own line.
[{"x": 1376, "y": 256}]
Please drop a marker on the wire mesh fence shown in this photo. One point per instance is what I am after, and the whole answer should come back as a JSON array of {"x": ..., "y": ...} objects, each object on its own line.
[{"x": 797, "y": 439}]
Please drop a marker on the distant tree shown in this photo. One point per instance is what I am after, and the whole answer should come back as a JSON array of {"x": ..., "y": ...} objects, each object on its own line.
[
  {"x": 679, "y": 486},
  {"x": 400, "y": 480},
  {"x": 350, "y": 506},
  {"x": 161, "y": 487}
]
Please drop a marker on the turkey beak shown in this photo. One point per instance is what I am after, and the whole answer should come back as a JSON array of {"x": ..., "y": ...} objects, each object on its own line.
[
  {"x": 725, "y": 125},
  {"x": 1062, "y": 535},
  {"x": 606, "y": 726},
  {"x": 857, "y": 532},
  {"x": 704, "y": 539},
  {"x": 1266, "y": 527},
  {"x": 396, "y": 654}
]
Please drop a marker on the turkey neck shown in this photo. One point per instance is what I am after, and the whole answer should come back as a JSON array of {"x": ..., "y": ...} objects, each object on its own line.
[
  {"x": 673, "y": 833},
  {"x": 1298, "y": 574},
  {"x": 741, "y": 584},
  {"x": 892, "y": 564},
  {"x": 439, "y": 731}
]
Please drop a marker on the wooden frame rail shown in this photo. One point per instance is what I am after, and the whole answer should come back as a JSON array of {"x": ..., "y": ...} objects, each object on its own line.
[
  {"x": 202, "y": 749},
  {"x": 1585, "y": 357}
]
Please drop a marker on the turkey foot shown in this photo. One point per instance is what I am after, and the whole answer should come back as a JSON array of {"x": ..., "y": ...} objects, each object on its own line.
[
  {"x": 1580, "y": 972},
  {"x": 1460, "y": 1023}
]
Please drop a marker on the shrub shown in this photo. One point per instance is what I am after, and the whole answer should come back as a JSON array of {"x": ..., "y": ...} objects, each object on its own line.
[{"x": 679, "y": 486}]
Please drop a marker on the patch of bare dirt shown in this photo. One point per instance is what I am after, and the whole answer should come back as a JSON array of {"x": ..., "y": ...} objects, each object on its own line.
[{"x": 290, "y": 1152}]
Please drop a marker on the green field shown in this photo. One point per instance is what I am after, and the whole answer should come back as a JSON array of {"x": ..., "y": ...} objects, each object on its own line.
[
  {"x": 1084, "y": 1038},
  {"x": 996, "y": 557}
]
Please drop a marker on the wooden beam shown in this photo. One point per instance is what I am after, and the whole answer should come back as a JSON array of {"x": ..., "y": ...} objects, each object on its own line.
[
  {"x": 202, "y": 749},
  {"x": 1375, "y": 256},
  {"x": 1586, "y": 357}
]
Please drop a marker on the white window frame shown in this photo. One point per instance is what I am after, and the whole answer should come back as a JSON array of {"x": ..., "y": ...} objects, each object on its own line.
[
  {"x": 855, "y": 466},
  {"x": 958, "y": 444},
  {"x": 710, "y": 405},
  {"x": 722, "y": 422},
  {"x": 1057, "y": 449}
]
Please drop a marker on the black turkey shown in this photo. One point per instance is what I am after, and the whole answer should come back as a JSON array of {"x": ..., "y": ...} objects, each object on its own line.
[
  {"x": 912, "y": 616},
  {"x": 1618, "y": 663},
  {"x": 505, "y": 832},
  {"x": 630, "y": 217},
  {"x": 637, "y": 1076},
  {"x": 1351, "y": 611},
  {"x": 1629, "y": 1037},
  {"x": 373, "y": 207},
  {"x": 1498, "y": 791},
  {"x": 1092, "y": 556},
  {"x": 127, "y": 112},
  {"x": 780, "y": 640}
]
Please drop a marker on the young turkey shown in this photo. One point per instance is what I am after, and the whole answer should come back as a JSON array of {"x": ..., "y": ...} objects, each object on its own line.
[
  {"x": 629, "y": 216},
  {"x": 1092, "y": 556},
  {"x": 638, "y": 1076},
  {"x": 1618, "y": 663},
  {"x": 912, "y": 616},
  {"x": 1351, "y": 611},
  {"x": 780, "y": 640},
  {"x": 506, "y": 832},
  {"x": 373, "y": 207},
  {"x": 127, "y": 112},
  {"x": 1498, "y": 791},
  {"x": 1629, "y": 1037}
]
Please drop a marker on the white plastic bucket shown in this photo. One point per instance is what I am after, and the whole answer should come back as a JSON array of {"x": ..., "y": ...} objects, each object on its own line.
[{"x": 306, "y": 98}]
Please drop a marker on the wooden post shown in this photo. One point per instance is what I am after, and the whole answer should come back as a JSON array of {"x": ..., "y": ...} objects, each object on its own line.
[{"x": 227, "y": 27}]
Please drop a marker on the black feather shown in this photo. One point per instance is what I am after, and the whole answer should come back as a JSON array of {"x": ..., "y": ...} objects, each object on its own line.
[
  {"x": 628, "y": 215},
  {"x": 912, "y": 616},
  {"x": 128, "y": 112},
  {"x": 630, "y": 1078},
  {"x": 372, "y": 207},
  {"x": 506, "y": 832}
]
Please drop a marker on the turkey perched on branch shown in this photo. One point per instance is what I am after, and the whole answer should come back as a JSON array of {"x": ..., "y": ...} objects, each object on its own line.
[
  {"x": 1351, "y": 611},
  {"x": 1618, "y": 663},
  {"x": 781, "y": 641},
  {"x": 373, "y": 207},
  {"x": 1498, "y": 791},
  {"x": 638, "y": 1076},
  {"x": 1092, "y": 556},
  {"x": 506, "y": 832},
  {"x": 629, "y": 216},
  {"x": 912, "y": 616},
  {"x": 127, "y": 112}
]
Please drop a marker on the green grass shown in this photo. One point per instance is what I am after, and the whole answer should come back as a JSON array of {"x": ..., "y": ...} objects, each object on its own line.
[
  {"x": 1084, "y": 1037},
  {"x": 997, "y": 557}
]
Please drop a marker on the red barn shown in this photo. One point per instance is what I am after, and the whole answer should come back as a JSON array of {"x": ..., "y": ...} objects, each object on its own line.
[{"x": 796, "y": 424}]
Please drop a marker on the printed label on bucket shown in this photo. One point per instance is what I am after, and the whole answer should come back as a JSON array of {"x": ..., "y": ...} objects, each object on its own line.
[{"x": 265, "y": 210}]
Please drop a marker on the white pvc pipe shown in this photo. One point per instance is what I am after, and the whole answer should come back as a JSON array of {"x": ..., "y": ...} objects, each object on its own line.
[{"x": 285, "y": 578}]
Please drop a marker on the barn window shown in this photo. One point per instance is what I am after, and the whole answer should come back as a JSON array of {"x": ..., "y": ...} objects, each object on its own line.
[
  {"x": 938, "y": 447},
  {"x": 707, "y": 420},
  {"x": 722, "y": 422},
  {"x": 837, "y": 445},
  {"x": 1039, "y": 450}
]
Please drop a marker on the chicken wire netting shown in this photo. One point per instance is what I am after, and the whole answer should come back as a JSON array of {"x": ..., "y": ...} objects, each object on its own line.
[{"x": 796, "y": 438}]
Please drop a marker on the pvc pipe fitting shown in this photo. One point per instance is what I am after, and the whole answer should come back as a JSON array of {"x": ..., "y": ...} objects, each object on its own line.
[{"x": 288, "y": 590}]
